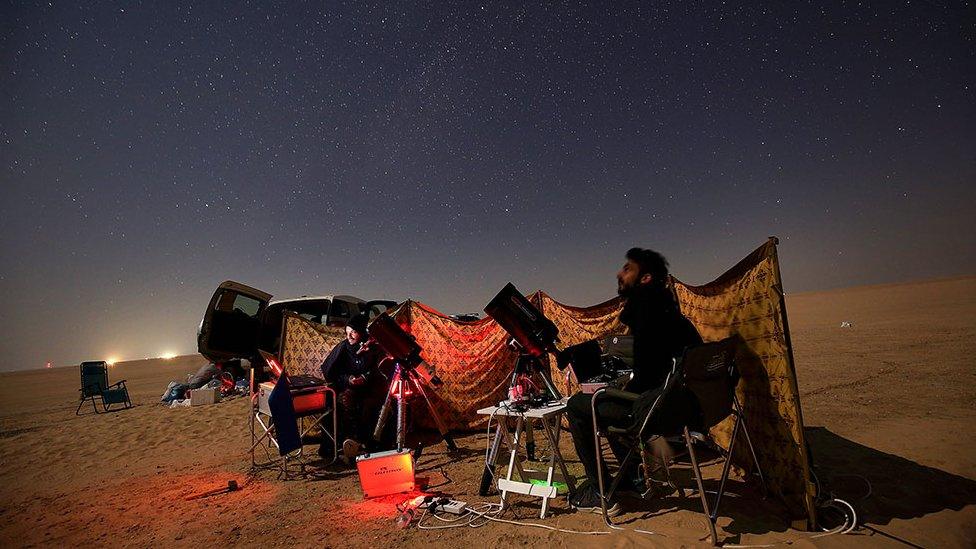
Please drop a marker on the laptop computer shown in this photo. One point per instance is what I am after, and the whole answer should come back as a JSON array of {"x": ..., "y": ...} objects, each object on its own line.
[{"x": 296, "y": 382}]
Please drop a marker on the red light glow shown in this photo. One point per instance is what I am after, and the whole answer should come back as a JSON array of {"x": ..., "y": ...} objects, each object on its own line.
[
  {"x": 395, "y": 388},
  {"x": 275, "y": 367},
  {"x": 383, "y": 475}
]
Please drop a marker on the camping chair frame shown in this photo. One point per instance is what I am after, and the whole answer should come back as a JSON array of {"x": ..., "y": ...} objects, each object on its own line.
[
  {"x": 725, "y": 374},
  {"x": 94, "y": 385},
  {"x": 263, "y": 434}
]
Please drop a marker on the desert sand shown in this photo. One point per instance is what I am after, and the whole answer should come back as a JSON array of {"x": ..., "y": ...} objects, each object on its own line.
[{"x": 888, "y": 404}]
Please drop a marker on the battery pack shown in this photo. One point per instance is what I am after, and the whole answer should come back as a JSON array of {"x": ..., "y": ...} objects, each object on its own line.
[{"x": 384, "y": 473}]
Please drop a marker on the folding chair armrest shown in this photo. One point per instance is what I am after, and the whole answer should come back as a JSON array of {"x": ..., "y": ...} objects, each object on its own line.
[
  {"x": 615, "y": 394},
  {"x": 116, "y": 384}
]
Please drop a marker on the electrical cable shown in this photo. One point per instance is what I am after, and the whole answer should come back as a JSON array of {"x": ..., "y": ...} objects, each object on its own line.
[
  {"x": 447, "y": 479},
  {"x": 473, "y": 514},
  {"x": 866, "y": 482}
]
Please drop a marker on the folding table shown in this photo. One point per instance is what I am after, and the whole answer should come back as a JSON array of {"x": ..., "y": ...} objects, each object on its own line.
[{"x": 550, "y": 415}]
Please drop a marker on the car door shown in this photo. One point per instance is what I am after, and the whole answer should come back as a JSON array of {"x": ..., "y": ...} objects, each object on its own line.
[{"x": 232, "y": 323}]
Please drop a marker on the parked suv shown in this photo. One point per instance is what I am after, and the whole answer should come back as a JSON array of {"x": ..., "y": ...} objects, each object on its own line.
[{"x": 241, "y": 319}]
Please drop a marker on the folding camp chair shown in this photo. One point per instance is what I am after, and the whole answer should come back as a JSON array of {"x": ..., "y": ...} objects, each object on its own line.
[
  {"x": 275, "y": 419},
  {"x": 708, "y": 372},
  {"x": 94, "y": 385}
]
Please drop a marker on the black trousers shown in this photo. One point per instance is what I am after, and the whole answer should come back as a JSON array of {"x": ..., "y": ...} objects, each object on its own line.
[
  {"x": 579, "y": 415},
  {"x": 677, "y": 409},
  {"x": 358, "y": 411}
]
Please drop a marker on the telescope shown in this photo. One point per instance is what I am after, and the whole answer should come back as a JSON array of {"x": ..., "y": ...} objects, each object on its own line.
[
  {"x": 410, "y": 369},
  {"x": 402, "y": 347},
  {"x": 532, "y": 336},
  {"x": 531, "y": 331}
]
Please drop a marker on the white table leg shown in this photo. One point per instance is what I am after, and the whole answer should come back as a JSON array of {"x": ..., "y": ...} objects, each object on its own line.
[{"x": 513, "y": 444}]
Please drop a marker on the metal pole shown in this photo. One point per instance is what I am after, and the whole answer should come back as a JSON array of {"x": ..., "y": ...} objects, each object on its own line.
[{"x": 811, "y": 509}]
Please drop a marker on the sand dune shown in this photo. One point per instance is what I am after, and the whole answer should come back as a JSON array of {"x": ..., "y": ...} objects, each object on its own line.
[{"x": 888, "y": 403}]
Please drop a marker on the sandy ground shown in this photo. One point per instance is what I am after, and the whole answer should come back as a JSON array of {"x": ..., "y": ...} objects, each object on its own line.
[{"x": 888, "y": 404}]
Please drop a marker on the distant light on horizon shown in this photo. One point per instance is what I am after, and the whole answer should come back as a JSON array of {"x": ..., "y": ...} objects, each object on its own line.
[
  {"x": 167, "y": 355},
  {"x": 533, "y": 145},
  {"x": 111, "y": 360}
]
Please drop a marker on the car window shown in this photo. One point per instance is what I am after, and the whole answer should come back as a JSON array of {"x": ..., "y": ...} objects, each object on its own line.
[
  {"x": 248, "y": 305},
  {"x": 340, "y": 312},
  {"x": 233, "y": 301},
  {"x": 375, "y": 309}
]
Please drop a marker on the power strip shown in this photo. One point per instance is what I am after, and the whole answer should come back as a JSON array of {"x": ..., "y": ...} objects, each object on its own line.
[{"x": 452, "y": 506}]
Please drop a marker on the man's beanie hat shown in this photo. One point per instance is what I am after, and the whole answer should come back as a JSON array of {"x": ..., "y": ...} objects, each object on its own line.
[{"x": 358, "y": 323}]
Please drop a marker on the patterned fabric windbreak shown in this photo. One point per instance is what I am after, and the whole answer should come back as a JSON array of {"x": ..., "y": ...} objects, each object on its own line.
[
  {"x": 305, "y": 344},
  {"x": 747, "y": 302},
  {"x": 475, "y": 363}
]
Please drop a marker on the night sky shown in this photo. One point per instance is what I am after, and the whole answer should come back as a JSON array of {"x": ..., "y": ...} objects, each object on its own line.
[{"x": 436, "y": 151}]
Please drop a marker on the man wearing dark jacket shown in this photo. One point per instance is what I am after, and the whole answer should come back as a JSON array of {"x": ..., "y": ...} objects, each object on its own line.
[
  {"x": 352, "y": 371},
  {"x": 660, "y": 334}
]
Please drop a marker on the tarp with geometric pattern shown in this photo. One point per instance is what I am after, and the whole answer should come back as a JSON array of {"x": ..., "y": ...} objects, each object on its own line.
[
  {"x": 475, "y": 363},
  {"x": 306, "y": 344},
  {"x": 747, "y": 302}
]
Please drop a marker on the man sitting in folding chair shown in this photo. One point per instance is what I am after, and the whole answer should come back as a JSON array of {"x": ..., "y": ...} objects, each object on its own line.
[
  {"x": 660, "y": 334},
  {"x": 706, "y": 375}
]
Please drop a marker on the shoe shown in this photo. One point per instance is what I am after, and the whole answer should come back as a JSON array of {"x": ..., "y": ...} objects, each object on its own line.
[
  {"x": 350, "y": 449},
  {"x": 658, "y": 489},
  {"x": 585, "y": 486},
  {"x": 579, "y": 491},
  {"x": 588, "y": 500},
  {"x": 582, "y": 487}
]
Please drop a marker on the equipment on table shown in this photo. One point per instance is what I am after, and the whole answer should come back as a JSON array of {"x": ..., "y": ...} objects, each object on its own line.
[
  {"x": 518, "y": 479},
  {"x": 596, "y": 368},
  {"x": 532, "y": 336}
]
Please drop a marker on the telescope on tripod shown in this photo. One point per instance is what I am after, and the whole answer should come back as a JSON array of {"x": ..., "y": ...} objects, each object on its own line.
[
  {"x": 532, "y": 336},
  {"x": 410, "y": 374}
]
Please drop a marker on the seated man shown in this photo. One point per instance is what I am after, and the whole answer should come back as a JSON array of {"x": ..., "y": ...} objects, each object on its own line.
[
  {"x": 660, "y": 333},
  {"x": 352, "y": 370}
]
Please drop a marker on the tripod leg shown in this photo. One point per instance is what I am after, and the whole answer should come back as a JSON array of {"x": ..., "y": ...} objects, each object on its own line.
[
  {"x": 401, "y": 434},
  {"x": 445, "y": 434},
  {"x": 385, "y": 410},
  {"x": 547, "y": 380},
  {"x": 488, "y": 475}
]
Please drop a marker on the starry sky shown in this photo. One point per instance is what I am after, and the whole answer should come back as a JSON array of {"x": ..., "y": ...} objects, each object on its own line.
[{"x": 436, "y": 151}]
